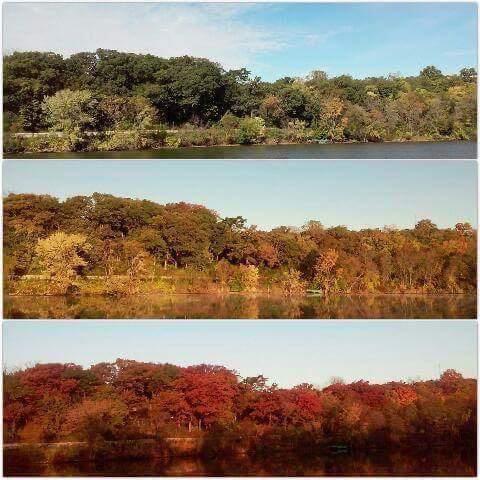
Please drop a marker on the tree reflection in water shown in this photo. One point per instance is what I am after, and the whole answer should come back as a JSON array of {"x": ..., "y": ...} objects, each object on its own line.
[
  {"x": 243, "y": 306},
  {"x": 431, "y": 462}
]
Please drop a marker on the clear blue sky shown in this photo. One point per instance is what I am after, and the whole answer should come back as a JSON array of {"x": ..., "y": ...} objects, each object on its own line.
[
  {"x": 272, "y": 40},
  {"x": 355, "y": 193},
  {"x": 287, "y": 352}
]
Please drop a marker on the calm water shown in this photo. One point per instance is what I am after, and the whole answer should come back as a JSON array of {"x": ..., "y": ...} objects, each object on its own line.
[
  {"x": 243, "y": 306},
  {"x": 339, "y": 150},
  {"x": 399, "y": 463}
]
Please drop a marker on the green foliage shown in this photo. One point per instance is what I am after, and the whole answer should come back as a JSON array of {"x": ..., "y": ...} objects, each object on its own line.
[
  {"x": 70, "y": 110},
  {"x": 229, "y": 121},
  {"x": 172, "y": 141},
  {"x": 122, "y": 113},
  {"x": 251, "y": 130},
  {"x": 130, "y": 140},
  {"x": 108, "y": 90}
]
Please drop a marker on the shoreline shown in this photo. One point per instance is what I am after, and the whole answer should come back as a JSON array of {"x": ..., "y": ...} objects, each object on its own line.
[
  {"x": 245, "y": 294},
  {"x": 187, "y": 447},
  {"x": 225, "y": 145}
]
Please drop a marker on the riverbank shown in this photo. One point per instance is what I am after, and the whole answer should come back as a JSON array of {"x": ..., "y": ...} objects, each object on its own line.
[
  {"x": 64, "y": 452},
  {"x": 385, "y": 150},
  {"x": 138, "y": 140},
  {"x": 271, "y": 284},
  {"x": 168, "y": 447}
]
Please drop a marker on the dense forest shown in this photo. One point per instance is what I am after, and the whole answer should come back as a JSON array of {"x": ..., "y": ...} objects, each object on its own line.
[
  {"x": 133, "y": 101},
  {"x": 127, "y": 399},
  {"x": 109, "y": 245}
]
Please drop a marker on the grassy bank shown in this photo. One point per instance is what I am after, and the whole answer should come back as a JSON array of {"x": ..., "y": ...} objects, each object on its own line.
[
  {"x": 207, "y": 446},
  {"x": 62, "y": 452},
  {"x": 187, "y": 282},
  {"x": 52, "y": 142}
]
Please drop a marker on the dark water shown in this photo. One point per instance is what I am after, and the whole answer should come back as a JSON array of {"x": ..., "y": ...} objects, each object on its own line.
[
  {"x": 339, "y": 150},
  {"x": 380, "y": 463},
  {"x": 243, "y": 306}
]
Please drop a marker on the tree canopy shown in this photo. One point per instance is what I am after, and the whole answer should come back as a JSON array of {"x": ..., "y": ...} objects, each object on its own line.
[
  {"x": 106, "y": 235},
  {"x": 132, "y": 399},
  {"x": 126, "y": 89}
]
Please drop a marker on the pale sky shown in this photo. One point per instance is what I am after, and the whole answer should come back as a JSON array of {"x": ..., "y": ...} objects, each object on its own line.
[
  {"x": 270, "y": 193},
  {"x": 271, "y": 40}
]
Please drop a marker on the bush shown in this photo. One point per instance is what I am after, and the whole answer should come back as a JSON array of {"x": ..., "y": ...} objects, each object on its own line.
[
  {"x": 275, "y": 136},
  {"x": 291, "y": 283},
  {"x": 252, "y": 130},
  {"x": 229, "y": 121},
  {"x": 135, "y": 140},
  {"x": 13, "y": 144},
  {"x": 172, "y": 142},
  {"x": 68, "y": 110},
  {"x": 47, "y": 143},
  {"x": 245, "y": 279}
]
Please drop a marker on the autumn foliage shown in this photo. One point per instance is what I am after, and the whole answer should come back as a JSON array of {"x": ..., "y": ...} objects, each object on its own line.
[
  {"x": 132, "y": 400},
  {"x": 122, "y": 241}
]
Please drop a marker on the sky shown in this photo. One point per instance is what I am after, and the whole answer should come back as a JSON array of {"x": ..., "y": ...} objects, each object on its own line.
[
  {"x": 271, "y": 40},
  {"x": 271, "y": 193},
  {"x": 288, "y": 353}
]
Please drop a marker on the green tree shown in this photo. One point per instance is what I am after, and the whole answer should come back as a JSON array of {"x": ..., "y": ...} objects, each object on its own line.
[{"x": 70, "y": 110}]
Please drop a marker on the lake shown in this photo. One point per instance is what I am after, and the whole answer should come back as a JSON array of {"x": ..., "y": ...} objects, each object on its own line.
[
  {"x": 427, "y": 462},
  {"x": 433, "y": 150},
  {"x": 196, "y": 306}
]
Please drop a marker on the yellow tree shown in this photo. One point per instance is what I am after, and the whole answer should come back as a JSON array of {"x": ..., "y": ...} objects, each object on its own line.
[
  {"x": 331, "y": 117},
  {"x": 61, "y": 256},
  {"x": 325, "y": 270}
]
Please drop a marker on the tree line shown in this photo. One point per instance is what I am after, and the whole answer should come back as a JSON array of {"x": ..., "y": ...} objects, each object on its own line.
[
  {"x": 128, "y": 399},
  {"x": 115, "y": 240},
  {"x": 109, "y": 90}
]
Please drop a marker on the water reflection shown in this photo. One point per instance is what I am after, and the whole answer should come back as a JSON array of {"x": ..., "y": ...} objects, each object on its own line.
[
  {"x": 432, "y": 462},
  {"x": 243, "y": 306}
]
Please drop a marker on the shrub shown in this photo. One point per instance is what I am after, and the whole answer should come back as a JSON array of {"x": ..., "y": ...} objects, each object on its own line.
[
  {"x": 252, "y": 130},
  {"x": 13, "y": 144},
  {"x": 229, "y": 121},
  {"x": 291, "y": 283},
  {"x": 172, "y": 142},
  {"x": 68, "y": 110},
  {"x": 224, "y": 273},
  {"x": 61, "y": 256},
  {"x": 47, "y": 143},
  {"x": 92, "y": 420},
  {"x": 275, "y": 136},
  {"x": 245, "y": 279},
  {"x": 135, "y": 140}
]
